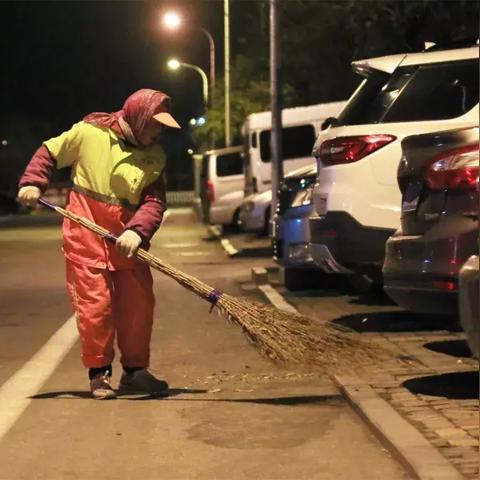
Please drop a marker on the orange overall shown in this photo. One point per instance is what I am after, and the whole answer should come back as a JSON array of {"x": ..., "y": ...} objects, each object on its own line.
[
  {"x": 109, "y": 292},
  {"x": 113, "y": 185}
]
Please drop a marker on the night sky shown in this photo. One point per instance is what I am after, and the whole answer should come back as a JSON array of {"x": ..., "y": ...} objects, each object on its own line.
[{"x": 64, "y": 59}]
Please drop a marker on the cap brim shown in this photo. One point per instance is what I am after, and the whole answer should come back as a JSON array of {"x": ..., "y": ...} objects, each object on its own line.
[{"x": 166, "y": 119}]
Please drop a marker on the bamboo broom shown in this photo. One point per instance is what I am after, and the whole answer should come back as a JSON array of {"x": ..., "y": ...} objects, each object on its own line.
[{"x": 281, "y": 336}]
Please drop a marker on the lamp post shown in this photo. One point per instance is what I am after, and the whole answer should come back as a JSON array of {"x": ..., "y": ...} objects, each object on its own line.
[
  {"x": 174, "y": 64},
  {"x": 173, "y": 21},
  {"x": 276, "y": 104},
  {"x": 226, "y": 29}
]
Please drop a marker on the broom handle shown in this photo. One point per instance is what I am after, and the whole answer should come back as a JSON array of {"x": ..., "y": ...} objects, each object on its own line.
[
  {"x": 208, "y": 293},
  {"x": 109, "y": 236}
]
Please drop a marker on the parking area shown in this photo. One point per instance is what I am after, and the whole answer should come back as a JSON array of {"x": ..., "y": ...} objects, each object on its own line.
[{"x": 434, "y": 387}]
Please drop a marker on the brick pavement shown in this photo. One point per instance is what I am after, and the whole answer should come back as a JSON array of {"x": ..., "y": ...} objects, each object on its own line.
[{"x": 434, "y": 386}]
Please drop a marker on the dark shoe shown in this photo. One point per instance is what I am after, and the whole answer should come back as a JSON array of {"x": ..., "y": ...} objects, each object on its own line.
[
  {"x": 101, "y": 387},
  {"x": 142, "y": 381}
]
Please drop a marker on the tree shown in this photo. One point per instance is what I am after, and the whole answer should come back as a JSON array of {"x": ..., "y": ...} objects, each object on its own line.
[{"x": 250, "y": 93}]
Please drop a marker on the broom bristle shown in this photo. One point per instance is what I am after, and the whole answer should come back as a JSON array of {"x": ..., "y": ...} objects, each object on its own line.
[
  {"x": 283, "y": 337},
  {"x": 294, "y": 339}
]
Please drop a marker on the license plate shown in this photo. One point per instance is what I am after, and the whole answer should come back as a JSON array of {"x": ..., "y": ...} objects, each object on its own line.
[
  {"x": 321, "y": 204},
  {"x": 411, "y": 197}
]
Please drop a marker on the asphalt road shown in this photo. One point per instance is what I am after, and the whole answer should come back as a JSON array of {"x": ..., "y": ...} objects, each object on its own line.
[{"x": 230, "y": 414}]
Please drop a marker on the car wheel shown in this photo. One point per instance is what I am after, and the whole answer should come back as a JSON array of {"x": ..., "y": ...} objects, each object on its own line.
[
  {"x": 235, "y": 225},
  {"x": 266, "y": 225}
]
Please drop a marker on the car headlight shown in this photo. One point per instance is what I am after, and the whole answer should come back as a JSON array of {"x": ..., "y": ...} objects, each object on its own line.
[
  {"x": 248, "y": 207},
  {"x": 303, "y": 197}
]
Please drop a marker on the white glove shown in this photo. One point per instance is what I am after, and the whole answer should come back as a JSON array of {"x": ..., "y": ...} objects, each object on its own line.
[
  {"x": 29, "y": 195},
  {"x": 128, "y": 242}
]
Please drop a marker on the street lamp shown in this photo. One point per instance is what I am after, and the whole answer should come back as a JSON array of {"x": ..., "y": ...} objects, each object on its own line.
[
  {"x": 174, "y": 64},
  {"x": 172, "y": 21}
]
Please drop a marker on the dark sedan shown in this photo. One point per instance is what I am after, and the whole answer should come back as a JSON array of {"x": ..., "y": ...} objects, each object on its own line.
[{"x": 438, "y": 177}]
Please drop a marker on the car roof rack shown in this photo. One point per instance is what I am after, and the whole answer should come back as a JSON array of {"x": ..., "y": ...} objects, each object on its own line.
[{"x": 450, "y": 45}]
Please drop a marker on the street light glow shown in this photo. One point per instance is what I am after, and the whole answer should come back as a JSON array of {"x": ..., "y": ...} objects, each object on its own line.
[
  {"x": 193, "y": 122},
  {"x": 172, "y": 20},
  {"x": 201, "y": 121},
  {"x": 173, "y": 64}
]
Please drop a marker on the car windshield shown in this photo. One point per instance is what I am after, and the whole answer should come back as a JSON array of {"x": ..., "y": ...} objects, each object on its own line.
[{"x": 415, "y": 93}]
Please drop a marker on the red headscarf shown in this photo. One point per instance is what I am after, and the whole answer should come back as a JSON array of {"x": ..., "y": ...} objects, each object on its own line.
[{"x": 137, "y": 110}]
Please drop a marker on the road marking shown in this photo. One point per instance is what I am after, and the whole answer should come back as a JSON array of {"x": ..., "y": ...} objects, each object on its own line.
[
  {"x": 194, "y": 254},
  {"x": 165, "y": 216},
  {"x": 228, "y": 247},
  {"x": 15, "y": 393},
  {"x": 180, "y": 210},
  {"x": 178, "y": 245}
]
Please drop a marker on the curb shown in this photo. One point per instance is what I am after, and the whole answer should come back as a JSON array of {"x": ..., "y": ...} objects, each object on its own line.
[{"x": 410, "y": 448}]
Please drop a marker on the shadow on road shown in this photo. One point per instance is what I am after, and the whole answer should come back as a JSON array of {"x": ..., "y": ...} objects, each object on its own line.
[
  {"x": 454, "y": 348},
  {"x": 280, "y": 401},
  {"x": 174, "y": 392},
  {"x": 375, "y": 297},
  {"x": 253, "y": 252},
  {"x": 317, "y": 284},
  {"x": 396, "y": 321},
  {"x": 79, "y": 394},
  {"x": 454, "y": 386}
]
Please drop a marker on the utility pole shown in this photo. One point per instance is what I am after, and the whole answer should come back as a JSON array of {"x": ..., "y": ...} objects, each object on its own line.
[
  {"x": 276, "y": 155},
  {"x": 226, "y": 21}
]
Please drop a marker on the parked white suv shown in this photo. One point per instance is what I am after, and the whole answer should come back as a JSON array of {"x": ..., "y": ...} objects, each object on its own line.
[{"x": 356, "y": 196}]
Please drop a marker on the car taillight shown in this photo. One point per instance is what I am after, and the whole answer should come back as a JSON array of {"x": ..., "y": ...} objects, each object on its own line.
[
  {"x": 351, "y": 149},
  {"x": 455, "y": 170},
  {"x": 446, "y": 286},
  {"x": 210, "y": 191}
]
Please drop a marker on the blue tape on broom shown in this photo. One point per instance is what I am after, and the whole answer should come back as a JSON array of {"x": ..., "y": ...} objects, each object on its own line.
[{"x": 214, "y": 297}]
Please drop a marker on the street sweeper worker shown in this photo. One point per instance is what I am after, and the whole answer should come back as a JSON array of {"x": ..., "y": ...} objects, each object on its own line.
[{"x": 118, "y": 183}]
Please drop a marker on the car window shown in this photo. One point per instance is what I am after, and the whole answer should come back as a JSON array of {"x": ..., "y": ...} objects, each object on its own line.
[
  {"x": 360, "y": 107},
  {"x": 253, "y": 139},
  {"x": 436, "y": 92},
  {"x": 297, "y": 142},
  {"x": 415, "y": 93},
  {"x": 229, "y": 164}
]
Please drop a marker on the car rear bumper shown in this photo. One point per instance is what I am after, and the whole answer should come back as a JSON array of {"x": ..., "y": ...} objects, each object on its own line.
[
  {"x": 339, "y": 244},
  {"x": 221, "y": 214},
  {"x": 421, "y": 272},
  {"x": 423, "y": 298}
]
